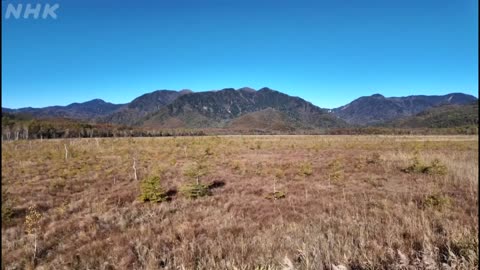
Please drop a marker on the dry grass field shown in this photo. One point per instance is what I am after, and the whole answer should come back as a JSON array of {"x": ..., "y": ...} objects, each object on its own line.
[{"x": 261, "y": 202}]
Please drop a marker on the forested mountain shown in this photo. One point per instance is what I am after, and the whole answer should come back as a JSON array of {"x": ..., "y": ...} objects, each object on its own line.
[
  {"x": 222, "y": 109},
  {"x": 87, "y": 110},
  {"x": 445, "y": 116},
  {"x": 377, "y": 109},
  {"x": 243, "y": 109}
]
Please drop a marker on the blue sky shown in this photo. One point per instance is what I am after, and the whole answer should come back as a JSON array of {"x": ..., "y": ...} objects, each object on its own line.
[{"x": 327, "y": 52}]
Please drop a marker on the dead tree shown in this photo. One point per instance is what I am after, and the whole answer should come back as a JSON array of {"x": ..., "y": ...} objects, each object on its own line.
[
  {"x": 66, "y": 152},
  {"x": 135, "y": 170}
]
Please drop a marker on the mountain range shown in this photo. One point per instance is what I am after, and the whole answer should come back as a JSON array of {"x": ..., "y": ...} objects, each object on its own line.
[
  {"x": 377, "y": 109},
  {"x": 86, "y": 111},
  {"x": 247, "y": 108}
]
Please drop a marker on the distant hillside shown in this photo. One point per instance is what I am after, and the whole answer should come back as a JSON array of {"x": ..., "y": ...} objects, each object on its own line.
[
  {"x": 377, "y": 109},
  {"x": 267, "y": 119},
  {"x": 140, "y": 107},
  {"x": 23, "y": 126},
  {"x": 221, "y": 109},
  {"x": 446, "y": 116},
  {"x": 262, "y": 110},
  {"x": 86, "y": 110}
]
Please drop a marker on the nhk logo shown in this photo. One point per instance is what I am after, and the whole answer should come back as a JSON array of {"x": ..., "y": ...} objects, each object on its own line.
[{"x": 29, "y": 11}]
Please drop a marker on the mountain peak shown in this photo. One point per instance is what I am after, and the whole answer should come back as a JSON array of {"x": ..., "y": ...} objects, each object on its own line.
[
  {"x": 93, "y": 102},
  {"x": 377, "y": 95},
  {"x": 96, "y": 101},
  {"x": 185, "y": 91},
  {"x": 247, "y": 89},
  {"x": 266, "y": 89}
]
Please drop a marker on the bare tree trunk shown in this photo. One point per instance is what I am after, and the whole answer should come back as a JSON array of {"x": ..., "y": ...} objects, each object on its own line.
[
  {"x": 135, "y": 170},
  {"x": 34, "y": 248},
  {"x": 66, "y": 152}
]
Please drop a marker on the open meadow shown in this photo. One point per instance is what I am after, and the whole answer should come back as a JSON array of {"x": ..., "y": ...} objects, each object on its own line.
[{"x": 241, "y": 202}]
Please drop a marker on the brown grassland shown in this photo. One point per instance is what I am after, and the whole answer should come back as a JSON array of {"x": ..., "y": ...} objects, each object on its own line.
[{"x": 241, "y": 202}]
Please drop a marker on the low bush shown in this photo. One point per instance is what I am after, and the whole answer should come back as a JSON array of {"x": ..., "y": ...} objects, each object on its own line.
[
  {"x": 335, "y": 169},
  {"x": 7, "y": 210},
  {"x": 194, "y": 190},
  {"x": 417, "y": 166},
  {"x": 466, "y": 248},
  {"x": 7, "y": 213},
  {"x": 305, "y": 169},
  {"x": 151, "y": 190},
  {"x": 436, "y": 168},
  {"x": 196, "y": 170},
  {"x": 436, "y": 201}
]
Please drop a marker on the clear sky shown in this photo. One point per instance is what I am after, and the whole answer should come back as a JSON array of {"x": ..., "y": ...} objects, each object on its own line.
[{"x": 327, "y": 52}]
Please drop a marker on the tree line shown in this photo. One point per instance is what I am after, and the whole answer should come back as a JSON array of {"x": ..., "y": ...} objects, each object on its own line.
[
  {"x": 18, "y": 127},
  {"x": 23, "y": 127}
]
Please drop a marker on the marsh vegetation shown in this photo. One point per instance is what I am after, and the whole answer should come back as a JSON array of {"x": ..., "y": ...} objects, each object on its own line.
[{"x": 241, "y": 202}]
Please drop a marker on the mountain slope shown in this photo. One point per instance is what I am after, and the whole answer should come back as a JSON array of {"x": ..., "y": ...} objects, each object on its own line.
[
  {"x": 142, "y": 106},
  {"x": 446, "y": 116},
  {"x": 86, "y": 110},
  {"x": 267, "y": 119},
  {"x": 246, "y": 108},
  {"x": 218, "y": 108},
  {"x": 377, "y": 109}
]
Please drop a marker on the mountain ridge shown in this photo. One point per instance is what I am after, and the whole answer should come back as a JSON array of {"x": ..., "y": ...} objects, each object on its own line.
[
  {"x": 77, "y": 110},
  {"x": 376, "y": 109},
  {"x": 245, "y": 107},
  {"x": 217, "y": 108}
]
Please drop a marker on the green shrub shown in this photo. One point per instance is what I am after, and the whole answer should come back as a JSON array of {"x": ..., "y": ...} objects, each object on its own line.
[
  {"x": 466, "y": 248},
  {"x": 435, "y": 168},
  {"x": 305, "y": 169},
  {"x": 7, "y": 210},
  {"x": 416, "y": 167},
  {"x": 32, "y": 220},
  {"x": 208, "y": 151},
  {"x": 7, "y": 213},
  {"x": 335, "y": 169},
  {"x": 279, "y": 173},
  {"x": 196, "y": 170},
  {"x": 194, "y": 190},
  {"x": 436, "y": 201},
  {"x": 151, "y": 190}
]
